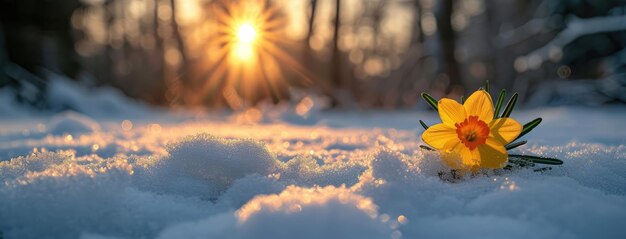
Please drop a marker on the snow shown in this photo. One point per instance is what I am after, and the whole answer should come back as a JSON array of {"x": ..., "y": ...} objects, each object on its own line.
[
  {"x": 73, "y": 124},
  {"x": 8, "y": 104},
  {"x": 207, "y": 165},
  {"x": 311, "y": 213},
  {"x": 64, "y": 94},
  {"x": 98, "y": 172},
  {"x": 60, "y": 195},
  {"x": 317, "y": 212}
]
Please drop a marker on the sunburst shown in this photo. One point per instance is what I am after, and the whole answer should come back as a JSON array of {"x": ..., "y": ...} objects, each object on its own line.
[{"x": 246, "y": 55}]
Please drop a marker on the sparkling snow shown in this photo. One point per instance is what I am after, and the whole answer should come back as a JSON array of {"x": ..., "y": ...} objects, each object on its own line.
[{"x": 272, "y": 173}]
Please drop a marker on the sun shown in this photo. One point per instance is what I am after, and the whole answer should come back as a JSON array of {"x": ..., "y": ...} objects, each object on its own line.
[
  {"x": 244, "y": 39},
  {"x": 243, "y": 51},
  {"x": 247, "y": 56},
  {"x": 246, "y": 33}
]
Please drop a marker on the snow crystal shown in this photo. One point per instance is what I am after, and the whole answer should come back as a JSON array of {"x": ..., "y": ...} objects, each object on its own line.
[
  {"x": 392, "y": 166},
  {"x": 305, "y": 171},
  {"x": 66, "y": 195},
  {"x": 36, "y": 162}
]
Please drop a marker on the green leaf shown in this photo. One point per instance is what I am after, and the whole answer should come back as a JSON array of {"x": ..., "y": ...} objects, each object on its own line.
[
  {"x": 509, "y": 106},
  {"x": 431, "y": 101},
  {"x": 529, "y": 127},
  {"x": 487, "y": 86},
  {"x": 515, "y": 145},
  {"x": 462, "y": 99},
  {"x": 427, "y": 148},
  {"x": 499, "y": 103},
  {"x": 537, "y": 159},
  {"x": 423, "y": 124}
]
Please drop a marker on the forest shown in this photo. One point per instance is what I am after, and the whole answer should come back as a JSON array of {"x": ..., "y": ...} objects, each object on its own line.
[{"x": 363, "y": 54}]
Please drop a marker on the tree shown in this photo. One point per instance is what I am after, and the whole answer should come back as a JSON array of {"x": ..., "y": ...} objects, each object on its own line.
[{"x": 447, "y": 39}]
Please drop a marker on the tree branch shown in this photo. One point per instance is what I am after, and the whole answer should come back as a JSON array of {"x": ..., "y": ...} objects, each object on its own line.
[{"x": 576, "y": 28}]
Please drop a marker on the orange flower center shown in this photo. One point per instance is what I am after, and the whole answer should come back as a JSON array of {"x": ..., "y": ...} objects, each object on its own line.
[{"x": 472, "y": 132}]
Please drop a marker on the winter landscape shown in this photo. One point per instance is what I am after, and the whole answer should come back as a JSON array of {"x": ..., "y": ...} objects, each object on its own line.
[
  {"x": 128, "y": 171},
  {"x": 305, "y": 119}
]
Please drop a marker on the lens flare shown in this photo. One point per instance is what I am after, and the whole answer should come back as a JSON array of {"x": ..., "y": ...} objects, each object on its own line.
[
  {"x": 243, "y": 46},
  {"x": 246, "y": 33},
  {"x": 243, "y": 51},
  {"x": 247, "y": 57}
]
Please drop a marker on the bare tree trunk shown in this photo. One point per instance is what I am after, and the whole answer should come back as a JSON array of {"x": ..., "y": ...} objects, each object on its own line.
[
  {"x": 336, "y": 54},
  {"x": 311, "y": 21},
  {"x": 495, "y": 57},
  {"x": 160, "y": 52},
  {"x": 109, "y": 75},
  {"x": 447, "y": 39},
  {"x": 178, "y": 37},
  {"x": 417, "y": 35}
]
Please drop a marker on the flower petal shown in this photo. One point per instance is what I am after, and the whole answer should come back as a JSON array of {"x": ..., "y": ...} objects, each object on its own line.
[
  {"x": 458, "y": 156},
  {"x": 452, "y": 156},
  {"x": 471, "y": 158},
  {"x": 438, "y": 135},
  {"x": 504, "y": 130},
  {"x": 492, "y": 155},
  {"x": 481, "y": 105},
  {"x": 451, "y": 112}
]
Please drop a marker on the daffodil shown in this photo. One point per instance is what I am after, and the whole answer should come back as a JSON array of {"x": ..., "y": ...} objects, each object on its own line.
[{"x": 469, "y": 137}]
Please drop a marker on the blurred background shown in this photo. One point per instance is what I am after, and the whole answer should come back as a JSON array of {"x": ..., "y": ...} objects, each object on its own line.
[{"x": 351, "y": 53}]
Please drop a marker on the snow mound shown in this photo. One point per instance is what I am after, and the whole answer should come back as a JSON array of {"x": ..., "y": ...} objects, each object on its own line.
[
  {"x": 551, "y": 203},
  {"x": 72, "y": 123},
  {"x": 36, "y": 162},
  {"x": 361, "y": 181},
  {"x": 59, "y": 195},
  {"x": 204, "y": 165},
  {"x": 303, "y": 171},
  {"x": 217, "y": 226},
  {"x": 66, "y": 195},
  {"x": 97, "y": 102},
  {"x": 593, "y": 165},
  {"x": 249, "y": 186},
  {"x": 316, "y": 212},
  {"x": 393, "y": 166},
  {"x": 518, "y": 203}
]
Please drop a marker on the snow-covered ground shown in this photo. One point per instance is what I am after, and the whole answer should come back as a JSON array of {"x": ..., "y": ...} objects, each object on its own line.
[{"x": 121, "y": 170}]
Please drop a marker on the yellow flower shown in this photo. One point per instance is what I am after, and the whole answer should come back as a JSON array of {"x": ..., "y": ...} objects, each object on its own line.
[{"x": 470, "y": 137}]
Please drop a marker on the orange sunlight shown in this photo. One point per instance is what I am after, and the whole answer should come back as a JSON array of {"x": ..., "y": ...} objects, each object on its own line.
[
  {"x": 247, "y": 57},
  {"x": 246, "y": 33},
  {"x": 245, "y": 39}
]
